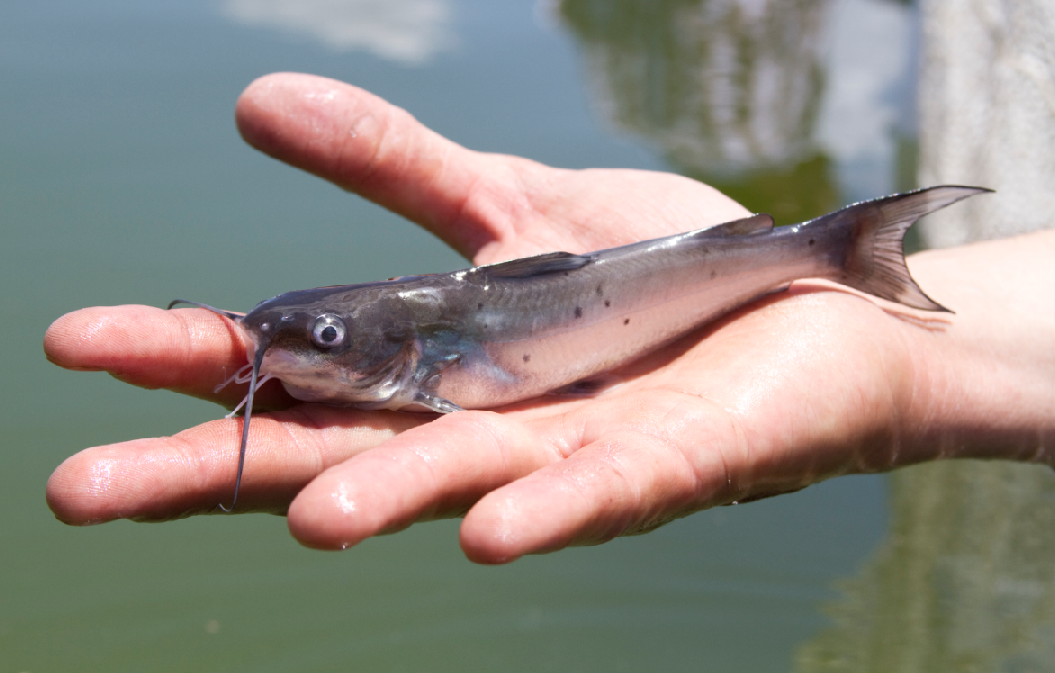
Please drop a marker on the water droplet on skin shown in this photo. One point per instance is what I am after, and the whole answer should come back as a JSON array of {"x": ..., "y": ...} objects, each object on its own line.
[
  {"x": 345, "y": 500},
  {"x": 102, "y": 475}
]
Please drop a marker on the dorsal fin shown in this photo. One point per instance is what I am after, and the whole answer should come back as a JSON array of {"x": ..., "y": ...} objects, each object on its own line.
[
  {"x": 539, "y": 265},
  {"x": 748, "y": 225}
]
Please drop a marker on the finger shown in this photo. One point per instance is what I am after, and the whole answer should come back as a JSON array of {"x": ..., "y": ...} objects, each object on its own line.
[
  {"x": 628, "y": 477},
  {"x": 489, "y": 207},
  {"x": 190, "y": 473},
  {"x": 366, "y": 145},
  {"x": 434, "y": 471},
  {"x": 189, "y": 351}
]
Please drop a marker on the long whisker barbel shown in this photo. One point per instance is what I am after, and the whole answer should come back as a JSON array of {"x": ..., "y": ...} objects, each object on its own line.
[
  {"x": 248, "y": 402},
  {"x": 245, "y": 427}
]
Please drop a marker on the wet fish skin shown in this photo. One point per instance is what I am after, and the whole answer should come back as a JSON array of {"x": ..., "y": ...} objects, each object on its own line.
[{"x": 492, "y": 335}]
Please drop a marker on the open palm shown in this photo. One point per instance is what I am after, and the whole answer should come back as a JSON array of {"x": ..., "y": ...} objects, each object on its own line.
[{"x": 781, "y": 394}]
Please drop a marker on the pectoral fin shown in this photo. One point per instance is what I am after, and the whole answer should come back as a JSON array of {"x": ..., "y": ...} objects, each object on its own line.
[{"x": 436, "y": 403}]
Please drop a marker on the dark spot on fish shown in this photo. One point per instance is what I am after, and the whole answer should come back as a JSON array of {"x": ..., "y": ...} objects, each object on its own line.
[
  {"x": 567, "y": 273},
  {"x": 812, "y": 241},
  {"x": 527, "y": 358},
  {"x": 714, "y": 273},
  {"x": 607, "y": 303},
  {"x": 626, "y": 321},
  {"x": 479, "y": 307},
  {"x": 600, "y": 290},
  {"x": 578, "y": 311}
]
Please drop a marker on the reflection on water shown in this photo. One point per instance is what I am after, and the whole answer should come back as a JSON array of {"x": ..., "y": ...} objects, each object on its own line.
[
  {"x": 409, "y": 31},
  {"x": 963, "y": 582},
  {"x": 729, "y": 91},
  {"x": 715, "y": 83},
  {"x": 965, "y": 579},
  {"x": 789, "y": 107},
  {"x": 867, "y": 121}
]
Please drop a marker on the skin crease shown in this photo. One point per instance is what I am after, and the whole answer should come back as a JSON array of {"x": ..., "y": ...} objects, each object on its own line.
[{"x": 794, "y": 389}]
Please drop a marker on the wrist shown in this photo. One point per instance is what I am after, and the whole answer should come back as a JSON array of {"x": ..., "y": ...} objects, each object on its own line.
[{"x": 985, "y": 380}]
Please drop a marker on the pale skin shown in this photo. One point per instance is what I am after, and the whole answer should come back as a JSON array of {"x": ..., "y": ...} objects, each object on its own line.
[{"x": 797, "y": 388}]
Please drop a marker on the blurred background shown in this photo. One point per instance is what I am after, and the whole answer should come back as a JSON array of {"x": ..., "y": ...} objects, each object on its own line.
[{"x": 123, "y": 180}]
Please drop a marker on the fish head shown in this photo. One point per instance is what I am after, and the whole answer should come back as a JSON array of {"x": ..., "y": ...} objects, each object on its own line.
[{"x": 338, "y": 345}]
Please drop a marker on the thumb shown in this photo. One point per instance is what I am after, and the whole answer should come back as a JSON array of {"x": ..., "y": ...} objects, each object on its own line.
[{"x": 365, "y": 145}]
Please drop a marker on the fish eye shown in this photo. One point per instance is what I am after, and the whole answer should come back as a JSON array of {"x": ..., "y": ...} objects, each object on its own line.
[{"x": 329, "y": 331}]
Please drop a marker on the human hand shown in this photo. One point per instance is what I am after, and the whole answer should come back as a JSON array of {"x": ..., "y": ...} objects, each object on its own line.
[{"x": 780, "y": 394}]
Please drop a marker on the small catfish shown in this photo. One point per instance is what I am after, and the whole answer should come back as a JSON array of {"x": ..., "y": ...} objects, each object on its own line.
[{"x": 492, "y": 335}]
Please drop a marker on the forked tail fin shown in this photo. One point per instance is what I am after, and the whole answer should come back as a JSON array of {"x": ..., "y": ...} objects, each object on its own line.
[{"x": 875, "y": 262}]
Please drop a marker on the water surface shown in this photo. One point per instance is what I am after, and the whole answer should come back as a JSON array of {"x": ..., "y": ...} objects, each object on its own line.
[{"x": 123, "y": 180}]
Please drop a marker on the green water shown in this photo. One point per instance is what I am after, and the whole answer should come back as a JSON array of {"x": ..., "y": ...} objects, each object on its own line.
[{"x": 123, "y": 180}]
